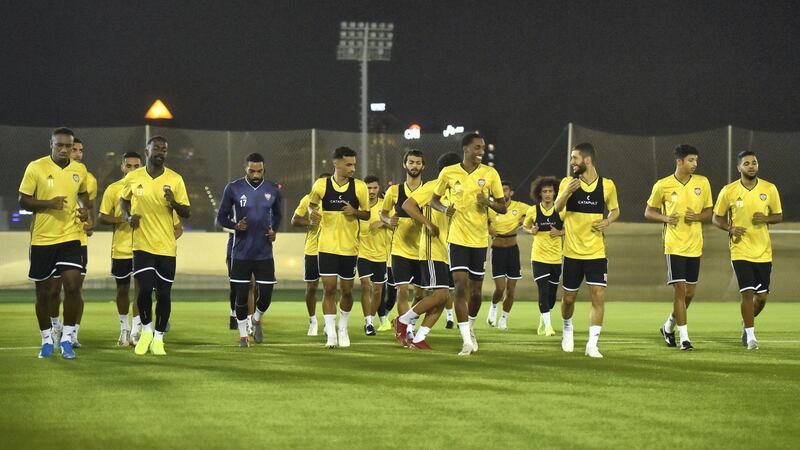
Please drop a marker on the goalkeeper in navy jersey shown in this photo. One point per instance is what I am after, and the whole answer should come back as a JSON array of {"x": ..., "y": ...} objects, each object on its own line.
[{"x": 252, "y": 207}]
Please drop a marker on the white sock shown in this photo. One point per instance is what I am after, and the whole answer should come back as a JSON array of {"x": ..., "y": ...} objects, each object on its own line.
[
  {"x": 421, "y": 334},
  {"x": 66, "y": 334},
  {"x": 463, "y": 327},
  {"x": 409, "y": 317},
  {"x": 382, "y": 319},
  {"x": 344, "y": 316},
  {"x": 471, "y": 321},
  {"x": 449, "y": 314},
  {"x": 242, "y": 327},
  {"x": 123, "y": 322},
  {"x": 669, "y": 325},
  {"x": 55, "y": 322},
  {"x": 47, "y": 336},
  {"x": 233, "y": 313},
  {"x": 258, "y": 315},
  {"x": 546, "y": 318},
  {"x": 504, "y": 316},
  {"x": 249, "y": 318},
  {"x": 751, "y": 333},
  {"x": 159, "y": 336},
  {"x": 312, "y": 319},
  {"x": 684, "y": 332},
  {"x": 149, "y": 327},
  {"x": 493, "y": 309},
  {"x": 137, "y": 322},
  {"x": 77, "y": 328},
  {"x": 330, "y": 323},
  {"x": 568, "y": 325},
  {"x": 368, "y": 320},
  {"x": 594, "y": 335}
]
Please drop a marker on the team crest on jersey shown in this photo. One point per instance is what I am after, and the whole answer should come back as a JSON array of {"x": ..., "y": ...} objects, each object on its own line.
[
  {"x": 268, "y": 196},
  {"x": 514, "y": 212},
  {"x": 481, "y": 182},
  {"x": 76, "y": 177},
  {"x": 763, "y": 197},
  {"x": 697, "y": 191},
  {"x": 457, "y": 186}
]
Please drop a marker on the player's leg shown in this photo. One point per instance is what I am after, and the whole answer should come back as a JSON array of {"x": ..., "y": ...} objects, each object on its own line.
[
  {"x": 391, "y": 291},
  {"x": 123, "y": 305},
  {"x": 747, "y": 277},
  {"x": 382, "y": 310},
  {"x": 345, "y": 306},
  {"x": 448, "y": 306},
  {"x": 676, "y": 277},
  {"x": 497, "y": 295},
  {"x": 145, "y": 274},
  {"x": 54, "y": 307},
  {"x": 573, "y": 276},
  {"x": 136, "y": 323},
  {"x": 84, "y": 264},
  {"x": 165, "y": 276},
  {"x": 598, "y": 294},
  {"x": 311, "y": 277},
  {"x": 543, "y": 288},
  {"x": 241, "y": 273},
  {"x": 365, "y": 274},
  {"x": 555, "y": 281},
  {"x": 71, "y": 282},
  {"x": 232, "y": 302},
  {"x": 264, "y": 276},
  {"x": 764, "y": 272},
  {"x": 475, "y": 298},
  {"x": 508, "y": 303},
  {"x": 461, "y": 306},
  {"x": 431, "y": 316},
  {"x": 44, "y": 293}
]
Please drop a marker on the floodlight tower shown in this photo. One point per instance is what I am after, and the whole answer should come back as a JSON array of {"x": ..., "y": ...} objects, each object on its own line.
[{"x": 365, "y": 42}]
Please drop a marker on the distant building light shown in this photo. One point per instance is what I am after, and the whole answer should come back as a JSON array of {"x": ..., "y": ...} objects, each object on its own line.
[
  {"x": 377, "y": 107},
  {"x": 452, "y": 131},
  {"x": 413, "y": 132}
]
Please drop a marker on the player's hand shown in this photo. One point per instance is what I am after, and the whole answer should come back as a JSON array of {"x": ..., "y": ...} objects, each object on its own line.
[
  {"x": 492, "y": 231},
  {"x": 532, "y": 230},
  {"x": 555, "y": 232},
  {"x": 315, "y": 217},
  {"x": 451, "y": 210},
  {"x": 759, "y": 218},
  {"x": 672, "y": 219},
  {"x": 375, "y": 225},
  {"x": 348, "y": 210},
  {"x": 600, "y": 225},
  {"x": 271, "y": 235},
  {"x": 482, "y": 199},
  {"x": 737, "y": 231},
  {"x": 573, "y": 185},
  {"x": 169, "y": 195},
  {"x": 83, "y": 215},
  {"x": 691, "y": 216},
  {"x": 57, "y": 202},
  {"x": 432, "y": 229},
  {"x": 242, "y": 224},
  {"x": 134, "y": 221},
  {"x": 393, "y": 221}
]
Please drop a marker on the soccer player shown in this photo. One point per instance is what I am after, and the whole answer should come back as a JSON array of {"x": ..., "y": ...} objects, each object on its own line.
[
  {"x": 405, "y": 241},
  {"x": 389, "y": 292},
  {"x": 233, "y": 324},
  {"x": 682, "y": 202},
  {"x": 372, "y": 251},
  {"x": 547, "y": 227},
  {"x": 473, "y": 188},
  {"x": 586, "y": 196},
  {"x": 506, "y": 268},
  {"x": 148, "y": 198},
  {"x": 121, "y": 252},
  {"x": 251, "y": 205},
  {"x": 311, "y": 275},
  {"x": 343, "y": 201},
  {"x": 745, "y": 209},
  {"x": 435, "y": 273},
  {"x": 54, "y": 187}
]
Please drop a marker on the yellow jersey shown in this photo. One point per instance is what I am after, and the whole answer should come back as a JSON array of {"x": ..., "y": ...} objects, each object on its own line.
[
  {"x": 339, "y": 233},
  {"x": 44, "y": 180},
  {"x": 405, "y": 241},
  {"x": 372, "y": 243},
  {"x": 669, "y": 195},
  {"x": 91, "y": 189},
  {"x": 432, "y": 248},
  {"x": 312, "y": 233},
  {"x": 739, "y": 204},
  {"x": 469, "y": 226},
  {"x": 584, "y": 207},
  {"x": 156, "y": 232},
  {"x": 545, "y": 248},
  {"x": 507, "y": 224}
]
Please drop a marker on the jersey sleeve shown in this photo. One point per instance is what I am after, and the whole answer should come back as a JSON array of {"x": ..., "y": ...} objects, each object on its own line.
[
  {"x": 442, "y": 183},
  {"x": 224, "y": 214},
  {"x": 610, "y": 190},
  {"x": 562, "y": 187},
  {"x": 277, "y": 210},
  {"x": 362, "y": 194},
  {"x": 176, "y": 219},
  {"x": 491, "y": 215},
  {"x": 28, "y": 184},
  {"x": 84, "y": 185},
  {"x": 91, "y": 186},
  {"x": 302, "y": 207},
  {"x": 495, "y": 185},
  {"x": 656, "y": 200},
  {"x": 530, "y": 217},
  {"x": 424, "y": 194},
  {"x": 125, "y": 191},
  {"x": 390, "y": 198},
  {"x": 317, "y": 191},
  {"x": 181, "y": 197},
  {"x": 722, "y": 205},
  {"x": 108, "y": 203},
  {"x": 775, "y": 201},
  {"x": 708, "y": 201}
]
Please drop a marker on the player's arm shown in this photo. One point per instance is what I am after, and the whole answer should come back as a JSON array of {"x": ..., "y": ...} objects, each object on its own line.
[
  {"x": 277, "y": 211},
  {"x": 565, "y": 191},
  {"x": 388, "y": 203},
  {"x": 183, "y": 211},
  {"x": 761, "y": 218},
  {"x": 314, "y": 199},
  {"x": 107, "y": 204},
  {"x": 720, "y": 217},
  {"x": 613, "y": 208},
  {"x": 411, "y": 207},
  {"x": 498, "y": 202},
  {"x": 225, "y": 212},
  {"x": 300, "y": 221},
  {"x": 85, "y": 210},
  {"x": 29, "y": 203},
  {"x": 703, "y": 216},
  {"x": 177, "y": 229},
  {"x": 362, "y": 213}
]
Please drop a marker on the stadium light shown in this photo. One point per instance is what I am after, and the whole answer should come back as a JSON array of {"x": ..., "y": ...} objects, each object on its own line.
[
  {"x": 158, "y": 111},
  {"x": 490, "y": 155},
  {"x": 377, "y": 107},
  {"x": 365, "y": 42}
]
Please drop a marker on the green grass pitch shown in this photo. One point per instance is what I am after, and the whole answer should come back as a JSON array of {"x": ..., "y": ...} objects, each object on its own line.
[{"x": 518, "y": 391}]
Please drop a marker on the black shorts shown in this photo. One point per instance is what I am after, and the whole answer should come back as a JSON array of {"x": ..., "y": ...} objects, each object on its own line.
[
  {"x": 472, "y": 260},
  {"x": 164, "y": 266},
  {"x": 312, "y": 269},
  {"x": 84, "y": 259},
  {"x": 243, "y": 270},
  {"x": 341, "y": 266},
  {"x": 683, "y": 268},
  {"x": 376, "y": 271},
  {"x": 752, "y": 276},
  {"x": 435, "y": 275},
  {"x": 50, "y": 260},
  {"x": 389, "y": 277},
  {"x": 551, "y": 272},
  {"x": 505, "y": 263},
  {"x": 575, "y": 270},
  {"x": 405, "y": 271},
  {"x": 121, "y": 269}
]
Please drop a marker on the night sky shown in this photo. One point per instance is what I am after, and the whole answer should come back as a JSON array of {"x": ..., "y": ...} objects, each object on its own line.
[{"x": 632, "y": 67}]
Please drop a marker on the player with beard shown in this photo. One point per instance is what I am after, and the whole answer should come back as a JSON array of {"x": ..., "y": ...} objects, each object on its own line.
[{"x": 372, "y": 251}]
